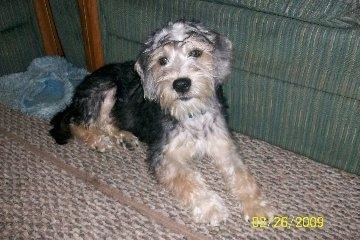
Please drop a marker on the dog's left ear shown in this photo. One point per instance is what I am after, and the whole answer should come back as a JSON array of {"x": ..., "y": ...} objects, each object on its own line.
[{"x": 222, "y": 55}]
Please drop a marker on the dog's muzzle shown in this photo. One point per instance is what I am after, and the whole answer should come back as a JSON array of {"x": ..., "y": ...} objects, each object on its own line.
[{"x": 182, "y": 85}]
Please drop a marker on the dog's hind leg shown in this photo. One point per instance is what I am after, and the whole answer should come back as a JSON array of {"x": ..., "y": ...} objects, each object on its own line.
[
  {"x": 101, "y": 134},
  {"x": 94, "y": 132}
]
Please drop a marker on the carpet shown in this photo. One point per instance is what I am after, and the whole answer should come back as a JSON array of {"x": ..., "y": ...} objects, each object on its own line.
[{"x": 49, "y": 191}]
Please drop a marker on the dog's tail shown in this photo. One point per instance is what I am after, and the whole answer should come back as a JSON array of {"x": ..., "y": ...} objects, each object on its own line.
[{"x": 61, "y": 126}]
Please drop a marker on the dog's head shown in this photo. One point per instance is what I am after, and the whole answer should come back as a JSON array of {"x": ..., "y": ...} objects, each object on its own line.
[{"x": 181, "y": 66}]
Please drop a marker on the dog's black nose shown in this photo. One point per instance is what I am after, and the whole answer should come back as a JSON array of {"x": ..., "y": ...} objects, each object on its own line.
[{"x": 182, "y": 85}]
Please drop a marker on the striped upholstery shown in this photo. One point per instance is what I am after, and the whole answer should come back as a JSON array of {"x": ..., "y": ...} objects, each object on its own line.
[
  {"x": 296, "y": 74},
  {"x": 20, "y": 40}
]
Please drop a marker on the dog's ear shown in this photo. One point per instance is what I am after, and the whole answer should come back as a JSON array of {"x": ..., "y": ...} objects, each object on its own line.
[
  {"x": 146, "y": 78},
  {"x": 222, "y": 51},
  {"x": 222, "y": 55},
  {"x": 139, "y": 69}
]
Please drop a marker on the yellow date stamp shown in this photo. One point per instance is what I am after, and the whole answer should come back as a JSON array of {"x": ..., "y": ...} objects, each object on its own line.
[{"x": 288, "y": 222}]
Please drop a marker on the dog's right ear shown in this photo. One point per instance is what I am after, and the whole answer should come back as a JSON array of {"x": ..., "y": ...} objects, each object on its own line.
[{"x": 146, "y": 77}]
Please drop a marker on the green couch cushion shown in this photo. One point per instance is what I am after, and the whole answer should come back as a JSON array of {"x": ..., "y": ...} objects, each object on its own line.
[
  {"x": 319, "y": 125},
  {"x": 20, "y": 40}
]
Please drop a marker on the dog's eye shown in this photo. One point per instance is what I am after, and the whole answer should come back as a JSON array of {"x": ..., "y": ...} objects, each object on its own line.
[
  {"x": 163, "y": 61},
  {"x": 195, "y": 53}
]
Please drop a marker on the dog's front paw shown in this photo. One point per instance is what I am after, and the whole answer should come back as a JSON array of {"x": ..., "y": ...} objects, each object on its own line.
[
  {"x": 210, "y": 209},
  {"x": 256, "y": 209}
]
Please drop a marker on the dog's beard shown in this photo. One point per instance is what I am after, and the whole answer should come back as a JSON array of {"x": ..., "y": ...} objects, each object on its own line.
[
  {"x": 185, "y": 106},
  {"x": 189, "y": 108}
]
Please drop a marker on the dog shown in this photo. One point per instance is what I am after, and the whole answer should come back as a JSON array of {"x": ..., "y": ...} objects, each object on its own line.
[{"x": 171, "y": 99}]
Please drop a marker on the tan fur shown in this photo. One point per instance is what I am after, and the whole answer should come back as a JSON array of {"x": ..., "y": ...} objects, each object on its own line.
[
  {"x": 189, "y": 187},
  {"x": 91, "y": 136}
]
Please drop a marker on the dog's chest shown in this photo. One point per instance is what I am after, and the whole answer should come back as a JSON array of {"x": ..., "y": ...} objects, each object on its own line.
[
  {"x": 197, "y": 133},
  {"x": 199, "y": 127}
]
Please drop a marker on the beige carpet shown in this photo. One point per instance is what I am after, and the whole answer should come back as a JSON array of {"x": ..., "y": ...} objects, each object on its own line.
[{"x": 70, "y": 192}]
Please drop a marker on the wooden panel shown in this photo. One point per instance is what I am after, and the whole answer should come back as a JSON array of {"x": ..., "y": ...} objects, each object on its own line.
[
  {"x": 47, "y": 27},
  {"x": 91, "y": 33}
]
